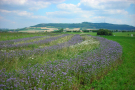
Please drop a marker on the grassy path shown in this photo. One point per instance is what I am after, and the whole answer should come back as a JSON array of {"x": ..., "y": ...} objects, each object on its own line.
[{"x": 122, "y": 78}]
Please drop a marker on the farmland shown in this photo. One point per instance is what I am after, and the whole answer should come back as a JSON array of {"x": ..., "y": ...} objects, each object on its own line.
[
  {"x": 66, "y": 61},
  {"x": 38, "y": 29}
]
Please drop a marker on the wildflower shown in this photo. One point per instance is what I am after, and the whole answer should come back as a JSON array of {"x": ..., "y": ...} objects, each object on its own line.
[{"x": 64, "y": 73}]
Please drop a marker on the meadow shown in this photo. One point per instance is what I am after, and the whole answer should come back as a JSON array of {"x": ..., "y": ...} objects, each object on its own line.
[
  {"x": 77, "y": 61},
  {"x": 122, "y": 77}
]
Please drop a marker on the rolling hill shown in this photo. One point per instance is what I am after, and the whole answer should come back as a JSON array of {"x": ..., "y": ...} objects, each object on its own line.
[{"x": 87, "y": 25}]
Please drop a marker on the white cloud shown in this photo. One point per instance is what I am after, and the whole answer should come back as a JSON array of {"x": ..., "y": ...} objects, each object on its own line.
[
  {"x": 5, "y": 11},
  {"x": 37, "y": 5},
  {"x": 99, "y": 17},
  {"x": 57, "y": 13},
  {"x": 20, "y": 13},
  {"x": 51, "y": 1},
  {"x": 112, "y": 11},
  {"x": 18, "y": 2},
  {"x": 70, "y": 11},
  {"x": 115, "y": 12},
  {"x": 38, "y": 17},
  {"x": 60, "y": 14},
  {"x": 105, "y": 7},
  {"x": 30, "y": 4},
  {"x": 21, "y": 2},
  {"x": 114, "y": 21},
  {"x": 70, "y": 14},
  {"x": 23, "y": 13},
  {"x": 69, "y": 7},
  {"x": 105, "y": 4}
]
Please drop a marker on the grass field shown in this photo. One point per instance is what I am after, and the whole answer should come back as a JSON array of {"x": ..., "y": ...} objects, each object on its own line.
[
  {"x": 70, "y": 62},
  {"x": 125, "y": 34},
  {"x": 123, "y": 77}
]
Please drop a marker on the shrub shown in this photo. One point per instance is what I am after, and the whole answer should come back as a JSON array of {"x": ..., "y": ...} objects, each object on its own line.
[
  {"x": 58, "y": 31},
  {"x": 85, "y": 30},
  {"x": 68, "y": 31},
  {"x": 94, "y": 30},
  {"x": 104, "y": 32},
  {"x": 76, "y": 31}
]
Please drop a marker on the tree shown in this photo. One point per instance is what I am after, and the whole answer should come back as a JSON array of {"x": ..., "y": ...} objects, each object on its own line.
[
  {"x": 58, "y": 31},
  {"x": 104, "y": 32},
  {"x": 61, "y": 30}
]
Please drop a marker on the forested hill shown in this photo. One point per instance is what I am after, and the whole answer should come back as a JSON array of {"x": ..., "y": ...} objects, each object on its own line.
[{"x": 84, "y": 25}]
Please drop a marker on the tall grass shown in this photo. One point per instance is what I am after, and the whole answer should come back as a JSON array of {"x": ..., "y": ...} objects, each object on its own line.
[
  {"x": 9, "y": 45},
  {"x": 66, "y": 53},
  {"x": 18, "y": 60}
]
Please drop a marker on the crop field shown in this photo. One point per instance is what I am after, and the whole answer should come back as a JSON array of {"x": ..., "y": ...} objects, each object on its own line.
[
  {"x": 64, "y": 61},
  {"x": 38, "y": 29}
]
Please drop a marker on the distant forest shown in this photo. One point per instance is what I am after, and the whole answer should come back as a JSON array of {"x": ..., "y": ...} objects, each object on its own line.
[{"x": 86, "y": 25}]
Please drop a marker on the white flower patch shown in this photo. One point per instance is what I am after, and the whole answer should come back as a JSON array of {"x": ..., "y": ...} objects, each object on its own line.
[
  {"x": 31, "y": 58},
  {"x": 86, "y": 42},
  {"x": 3, "y": 50}
]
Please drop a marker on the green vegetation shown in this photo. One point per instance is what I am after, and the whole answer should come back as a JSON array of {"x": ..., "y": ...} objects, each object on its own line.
[
  {"x": 85, "y": 30},
  {"x": 11, "y": 36},
  {"x": 122, "y": 77},
  {"x": 70, "y": 52},
  {"x": 104, "y": 32},
  {"x": 85, "y": 25},
  {"x": 127, "y": 34},
  {"x": 31, "y": 40},
  {"x": 58, "y": 31}
]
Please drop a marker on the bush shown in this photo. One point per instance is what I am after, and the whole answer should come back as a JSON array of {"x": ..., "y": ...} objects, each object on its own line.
[
  {"x": 68, "y": 31},
  {"x": 104, "y": 32},
  {"x": 76, "y": 31},
  {"x": 58, "y": 31},
  {"x": 94, "y": 30},
  {"x": 85, "y": 30}
]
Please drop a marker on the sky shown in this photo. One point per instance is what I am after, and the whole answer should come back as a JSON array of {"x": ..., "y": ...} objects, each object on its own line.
[{"x": 25, "y": 13}]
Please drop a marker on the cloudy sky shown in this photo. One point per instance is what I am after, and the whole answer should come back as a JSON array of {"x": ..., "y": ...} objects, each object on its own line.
[{"x": 25, "y": 13}]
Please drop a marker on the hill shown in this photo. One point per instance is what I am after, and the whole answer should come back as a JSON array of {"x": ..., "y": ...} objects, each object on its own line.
[{"x": 87, "y": 25}]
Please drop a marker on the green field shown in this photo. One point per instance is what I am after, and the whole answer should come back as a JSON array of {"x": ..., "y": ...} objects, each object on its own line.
[{"x": 118, "y": 77}]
